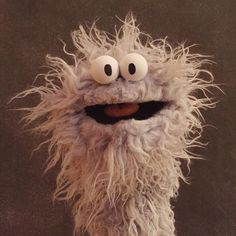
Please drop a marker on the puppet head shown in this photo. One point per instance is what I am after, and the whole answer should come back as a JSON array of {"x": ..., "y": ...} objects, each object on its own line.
[{"x": 120, "y": 121}]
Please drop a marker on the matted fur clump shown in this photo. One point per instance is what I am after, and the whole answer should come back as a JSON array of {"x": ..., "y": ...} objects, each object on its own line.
[{"x": 120, "y": 177}]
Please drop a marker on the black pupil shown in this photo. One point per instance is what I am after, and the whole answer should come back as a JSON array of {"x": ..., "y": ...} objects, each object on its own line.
[
  {"x": 108, "y": 69},
  {"x": 132, "y": 68}
]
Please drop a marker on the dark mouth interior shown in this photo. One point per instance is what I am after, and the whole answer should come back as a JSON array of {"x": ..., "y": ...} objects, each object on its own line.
[{"x": 146, "y": 110}]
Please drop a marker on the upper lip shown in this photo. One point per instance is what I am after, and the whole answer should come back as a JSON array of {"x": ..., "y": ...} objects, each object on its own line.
[{"x": 146, "y": 110}]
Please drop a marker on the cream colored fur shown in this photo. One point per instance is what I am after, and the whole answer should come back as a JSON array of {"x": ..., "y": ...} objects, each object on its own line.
[{"x": 120, "y": 178}]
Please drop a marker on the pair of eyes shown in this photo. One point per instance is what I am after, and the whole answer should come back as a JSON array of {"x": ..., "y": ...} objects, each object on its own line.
[{"x": 105, "y": 69}]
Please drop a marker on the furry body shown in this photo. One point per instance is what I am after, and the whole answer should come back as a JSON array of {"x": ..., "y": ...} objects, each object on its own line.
[{"x": 121, "y": 177}]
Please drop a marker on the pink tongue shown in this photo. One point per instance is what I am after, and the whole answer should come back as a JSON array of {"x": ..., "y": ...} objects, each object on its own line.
[{"x": 120, "y": 110}]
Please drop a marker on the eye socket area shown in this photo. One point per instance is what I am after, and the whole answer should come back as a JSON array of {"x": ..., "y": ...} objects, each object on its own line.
[
  {"x": 133, "y": 66},
  {"x": 104, "y": 69}
]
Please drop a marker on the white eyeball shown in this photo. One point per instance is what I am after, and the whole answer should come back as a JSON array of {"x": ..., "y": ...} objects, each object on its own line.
[
  {"x": 104, "y": 69},
  {"x": 133, "y": 66}
]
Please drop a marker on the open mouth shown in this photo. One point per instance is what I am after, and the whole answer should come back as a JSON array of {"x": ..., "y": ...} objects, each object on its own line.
[{"x": 113, "y": 113}]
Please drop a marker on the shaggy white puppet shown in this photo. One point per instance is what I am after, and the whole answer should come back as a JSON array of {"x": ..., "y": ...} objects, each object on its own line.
[{"x": 120, "y": 175}]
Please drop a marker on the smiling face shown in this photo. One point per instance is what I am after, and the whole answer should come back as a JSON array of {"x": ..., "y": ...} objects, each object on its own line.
[
  {"x": 132, "y": 69},
  {"x": 121, "y": 119}
]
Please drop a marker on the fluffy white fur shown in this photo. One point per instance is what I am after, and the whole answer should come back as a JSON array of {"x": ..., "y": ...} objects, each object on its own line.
[{"x": 120, "y": 178}]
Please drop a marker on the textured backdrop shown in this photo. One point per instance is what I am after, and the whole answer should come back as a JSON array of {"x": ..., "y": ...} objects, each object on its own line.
[{"x": 29, "y": 29}]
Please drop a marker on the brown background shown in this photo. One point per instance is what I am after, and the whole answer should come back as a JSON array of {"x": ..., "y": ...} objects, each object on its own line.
[{"x": 29, "y": 29}]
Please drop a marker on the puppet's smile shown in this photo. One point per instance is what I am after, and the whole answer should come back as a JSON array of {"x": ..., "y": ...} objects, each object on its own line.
[{"x": 106, "y": 114}]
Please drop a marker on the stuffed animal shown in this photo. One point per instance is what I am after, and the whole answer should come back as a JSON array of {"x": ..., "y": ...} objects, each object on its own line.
[{"x": 120, "y": 123}]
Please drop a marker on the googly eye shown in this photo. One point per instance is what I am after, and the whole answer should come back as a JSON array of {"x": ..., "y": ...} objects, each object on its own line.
[
  {"x": 133, "y": 66},
  {"x": 104, "y": 69}
]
